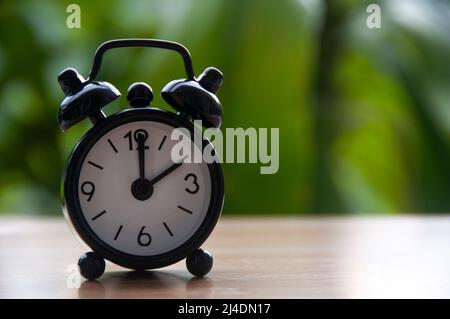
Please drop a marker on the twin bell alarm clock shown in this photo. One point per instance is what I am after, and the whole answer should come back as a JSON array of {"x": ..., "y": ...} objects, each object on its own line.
[{"x": 123, "y": 194}]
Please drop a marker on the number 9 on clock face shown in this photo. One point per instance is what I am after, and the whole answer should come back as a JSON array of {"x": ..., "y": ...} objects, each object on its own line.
[{"x": 130, "y": 201}]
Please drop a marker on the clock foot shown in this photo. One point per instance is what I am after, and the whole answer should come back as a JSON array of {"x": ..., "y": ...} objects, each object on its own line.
[
  {"x": 91, "y": 265},
  {"x": 199, "y": 263}
]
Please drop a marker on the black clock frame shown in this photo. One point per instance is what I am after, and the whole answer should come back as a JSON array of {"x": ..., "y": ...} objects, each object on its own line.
[{"x": 74, "y": 211}]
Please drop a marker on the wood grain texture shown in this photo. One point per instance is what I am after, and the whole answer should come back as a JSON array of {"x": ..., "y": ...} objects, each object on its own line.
[{"x": 342, "y": 257}]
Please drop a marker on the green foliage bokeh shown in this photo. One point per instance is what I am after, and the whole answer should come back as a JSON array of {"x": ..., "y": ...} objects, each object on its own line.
[{"x": 363, "y": 113}]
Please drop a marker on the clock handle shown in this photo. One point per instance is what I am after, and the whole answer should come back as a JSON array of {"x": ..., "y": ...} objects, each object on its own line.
[{"x": 150, "y": 43}]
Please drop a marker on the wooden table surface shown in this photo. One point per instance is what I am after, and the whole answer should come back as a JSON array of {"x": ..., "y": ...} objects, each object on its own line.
[{"x": 338, "y": 257}]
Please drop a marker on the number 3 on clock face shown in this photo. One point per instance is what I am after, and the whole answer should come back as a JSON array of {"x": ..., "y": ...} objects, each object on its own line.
[{"x": 167, "y": 203}]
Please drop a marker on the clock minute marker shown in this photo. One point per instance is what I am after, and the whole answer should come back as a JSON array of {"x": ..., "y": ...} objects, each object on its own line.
[
  {"x": 95, "y": 165},
  {"x": 184, "y": 209},
  {"x": 98, "y": 215},
  {"x": 168, "y": 229},
  {"x": 113, "y": 146},
  {"x": 162, "y": 142},
  {"x": 118, "y": 232}
]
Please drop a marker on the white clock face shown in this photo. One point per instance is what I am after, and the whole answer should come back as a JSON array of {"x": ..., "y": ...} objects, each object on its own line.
[{"x": 146, "y": 207}]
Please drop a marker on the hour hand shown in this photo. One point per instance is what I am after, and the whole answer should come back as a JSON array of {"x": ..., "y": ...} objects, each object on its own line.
[{"x": 164, "y": 173}]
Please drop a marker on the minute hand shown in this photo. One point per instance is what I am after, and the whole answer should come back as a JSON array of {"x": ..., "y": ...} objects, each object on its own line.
[
  {"x": 141, "y": 150},
  {"x": 165, "y": 173}
]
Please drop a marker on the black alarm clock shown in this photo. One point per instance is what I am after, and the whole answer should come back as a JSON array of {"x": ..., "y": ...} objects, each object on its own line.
[{"x": 124, "y": 195}]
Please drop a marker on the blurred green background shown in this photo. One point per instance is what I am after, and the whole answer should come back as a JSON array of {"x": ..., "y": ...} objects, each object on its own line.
[{"x": 364, "y": 114}]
